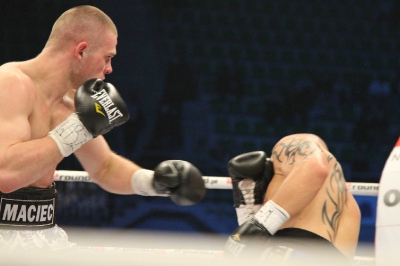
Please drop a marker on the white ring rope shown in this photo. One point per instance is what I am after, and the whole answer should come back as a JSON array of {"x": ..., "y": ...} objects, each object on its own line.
[{"x": 218, "y": 182}]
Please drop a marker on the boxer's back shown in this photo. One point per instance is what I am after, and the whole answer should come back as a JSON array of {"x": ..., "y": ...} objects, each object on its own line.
[{"x": 332, "y": 213}]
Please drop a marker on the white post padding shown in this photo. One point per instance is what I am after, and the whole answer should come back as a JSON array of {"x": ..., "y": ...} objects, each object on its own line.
[{"x": 387, "y": 232}]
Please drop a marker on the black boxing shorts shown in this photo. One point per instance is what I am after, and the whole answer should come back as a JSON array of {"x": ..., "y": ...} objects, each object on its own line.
[
  {"x": 28, "y": 209},
  {"x": 295, "y": 246}
]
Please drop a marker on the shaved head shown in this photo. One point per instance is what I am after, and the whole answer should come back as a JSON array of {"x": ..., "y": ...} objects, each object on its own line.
[{"x": 78, "y": 24}]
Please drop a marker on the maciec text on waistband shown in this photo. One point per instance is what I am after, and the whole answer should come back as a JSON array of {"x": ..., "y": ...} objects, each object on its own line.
[{"x": 36, "y": 213}]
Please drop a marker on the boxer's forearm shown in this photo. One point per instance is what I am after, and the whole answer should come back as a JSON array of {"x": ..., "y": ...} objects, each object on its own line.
[
  {"x": 109, "y": 170},
  {"x": 116, "y": 177},
  {"x": 300, "y": 186},
  {"x": 179, "y": 179}
]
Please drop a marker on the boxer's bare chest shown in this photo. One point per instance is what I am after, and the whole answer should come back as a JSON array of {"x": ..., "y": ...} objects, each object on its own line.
[{"x": 45, "y": 116}]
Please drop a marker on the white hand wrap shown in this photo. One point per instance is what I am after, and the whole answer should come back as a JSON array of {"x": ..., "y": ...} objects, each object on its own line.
[
  {"x": 142, "y": 183},
  {"x": 246, "y": 212},
  {"x": 70, "y": 135},
  {"x": 272, "y": 216}
]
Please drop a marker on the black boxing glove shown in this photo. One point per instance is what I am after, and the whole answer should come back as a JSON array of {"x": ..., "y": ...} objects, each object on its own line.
[
  {"x": 180, "y": 180},
  {"x": 99, "y": 108},
  {"x": 251, "y": 174},
  {"x": 253, "y": 236},
  {"x": 248, "y": 240}
]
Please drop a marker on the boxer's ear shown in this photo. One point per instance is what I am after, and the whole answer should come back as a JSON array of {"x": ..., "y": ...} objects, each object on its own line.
[{"x": 79, "y": 50}]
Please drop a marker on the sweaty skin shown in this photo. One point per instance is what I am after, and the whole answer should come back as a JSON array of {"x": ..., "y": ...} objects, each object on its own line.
[{"x": 309, "y": 184}]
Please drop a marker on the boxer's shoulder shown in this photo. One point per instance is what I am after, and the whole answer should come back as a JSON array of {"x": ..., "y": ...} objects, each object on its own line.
[{"x": 15, "y": 81}]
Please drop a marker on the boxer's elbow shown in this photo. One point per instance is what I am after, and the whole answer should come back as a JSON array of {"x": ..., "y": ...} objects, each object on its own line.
[
  {"x": 320, "y": 173},
  {"x": 315, "y": 173},
  {"x": 7, "y": 183}
]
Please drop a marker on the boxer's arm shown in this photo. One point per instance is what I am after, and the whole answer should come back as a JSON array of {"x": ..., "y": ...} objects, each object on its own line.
[
  {"x": 304, "y": 170},
  {"x": 109, "y": 170},
  {"x": 178, "y": 179},
  {"x": 22, "y": 160}
]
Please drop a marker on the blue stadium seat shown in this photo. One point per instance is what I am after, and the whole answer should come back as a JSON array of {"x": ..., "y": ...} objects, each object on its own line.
[
  {"x": 222, "y": 125},
  {"x": 241, "y": 127}
]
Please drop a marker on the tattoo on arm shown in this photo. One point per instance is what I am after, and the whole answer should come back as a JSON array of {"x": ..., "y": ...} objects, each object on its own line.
[
  {"x": 336, "y": 199},
  {"x": 330, "y": 158},
  {"x": 293, "y": 150}
]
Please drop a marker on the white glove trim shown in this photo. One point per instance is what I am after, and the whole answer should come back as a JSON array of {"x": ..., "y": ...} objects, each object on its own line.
[
  {"x": 246, "y": 187},
  {"x": 246, "y": 212}
]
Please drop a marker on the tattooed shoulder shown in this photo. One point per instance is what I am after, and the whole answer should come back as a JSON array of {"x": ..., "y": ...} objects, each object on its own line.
[
  {"x": 330, "y": 158},
  {"x": 293, "y": 150}
]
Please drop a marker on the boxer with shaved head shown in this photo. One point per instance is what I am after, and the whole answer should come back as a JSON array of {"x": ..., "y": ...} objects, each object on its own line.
[
  {"x": 294, "y": 206},
  {"x": 58, "y": 104}
]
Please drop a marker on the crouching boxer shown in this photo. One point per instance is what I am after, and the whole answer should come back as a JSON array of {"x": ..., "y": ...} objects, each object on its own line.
[
  {"x": 58, "y": 104},
  {"x": 293, "y": 208}
]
